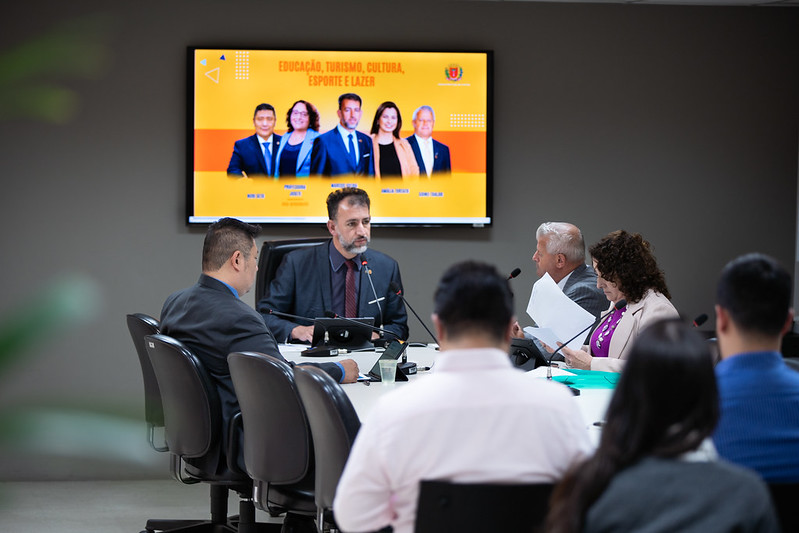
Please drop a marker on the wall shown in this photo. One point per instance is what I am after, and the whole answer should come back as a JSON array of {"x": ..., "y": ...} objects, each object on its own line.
[{"x": 676, "y": 122}]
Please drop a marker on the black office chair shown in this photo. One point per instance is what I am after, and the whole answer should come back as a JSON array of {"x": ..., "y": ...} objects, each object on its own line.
[
  {"x": 790, "y": 345},
  {"x": 446, "y": 506},
  {"x": 193, "y": 423},
  {"x": 139, "y": 326},
  {"x": 278, "y": 453},
  {"x": 785, "y": 496},
  {"x": 792, "y": 363},
  {"x": 272, "y": 253},
  {"x": 334, "y": 425}
]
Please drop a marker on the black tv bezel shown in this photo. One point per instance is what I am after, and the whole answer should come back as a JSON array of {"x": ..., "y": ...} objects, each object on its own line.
[{"x": 190, "y": 128}]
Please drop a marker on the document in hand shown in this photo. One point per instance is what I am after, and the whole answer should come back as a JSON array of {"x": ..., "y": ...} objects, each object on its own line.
[{"x": 557, "y": 316}]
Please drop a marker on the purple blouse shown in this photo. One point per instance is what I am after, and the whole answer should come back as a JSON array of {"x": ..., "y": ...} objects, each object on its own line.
[{"x": 600, "y": 338}]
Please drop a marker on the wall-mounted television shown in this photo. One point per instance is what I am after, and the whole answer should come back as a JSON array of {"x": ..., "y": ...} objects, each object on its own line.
[{"x": 226, "y": 177}]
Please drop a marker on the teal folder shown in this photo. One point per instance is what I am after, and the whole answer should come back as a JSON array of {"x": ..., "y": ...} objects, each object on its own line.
[{"x": 589, "y": 379}]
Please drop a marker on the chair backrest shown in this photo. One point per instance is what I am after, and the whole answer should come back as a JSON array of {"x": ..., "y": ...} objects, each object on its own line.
[
  {"x": 784, "y": 496},
  {"x": 277, "y": 440},
  {"x": 334, "y": 425},
  {"x": 271, "y": 256},
  {"x": 792, "y": 363},
  {"x": 139, "y": 326},
  {"x": 466, "y": 508},
  {"x": 192, "y": 412}
]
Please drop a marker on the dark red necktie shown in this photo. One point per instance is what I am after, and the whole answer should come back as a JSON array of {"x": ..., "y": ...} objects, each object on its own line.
[{"x": 350, "y": 303}]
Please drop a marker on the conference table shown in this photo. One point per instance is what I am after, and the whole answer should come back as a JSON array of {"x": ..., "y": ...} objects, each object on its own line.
[{"x": 592, "y": 402}]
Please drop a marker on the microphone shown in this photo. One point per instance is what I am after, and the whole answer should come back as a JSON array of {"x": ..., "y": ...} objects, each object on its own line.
[
  {"x": 618, "y": 305},
  {"x": 406, "y": 367},
  {"x": 365, "y": 264},
  {"x": 331, "y": 314},
  {"x": 323, "y": 350},
  {"x": 286, "y": 315},
  {"x": 516, "y": 271},
  {"x": 701, "y": 319},
  {"x": 393, "y": 287}
]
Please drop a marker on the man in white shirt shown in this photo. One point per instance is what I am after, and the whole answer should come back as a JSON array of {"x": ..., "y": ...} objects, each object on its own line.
[
  {"x": 431, "y": 155},
  {"x": 474, "y": 419}
]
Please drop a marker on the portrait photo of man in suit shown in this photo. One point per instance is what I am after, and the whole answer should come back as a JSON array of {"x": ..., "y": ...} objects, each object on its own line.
[
  {"x": 255, "y": 155},
  {"x": 344, "y": 150},
  {"x": 431, "y": 155}
]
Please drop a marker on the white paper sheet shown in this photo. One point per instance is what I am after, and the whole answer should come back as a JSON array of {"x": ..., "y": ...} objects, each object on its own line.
[{"x": 558, "y": 317}]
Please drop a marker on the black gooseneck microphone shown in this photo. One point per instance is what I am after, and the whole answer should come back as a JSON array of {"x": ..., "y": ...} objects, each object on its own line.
[
  {"x": 618, "y": 305},
  {"x": 516, "y": 271},
  {"x": 287, "y": 315},
  {"x": 365, "y": 264},
  {"x": 698, "y": 321},
  {"x": 393, "y": 287},
  {"x": 323, "y": 350},
  {"x": 331, "y": 314}
]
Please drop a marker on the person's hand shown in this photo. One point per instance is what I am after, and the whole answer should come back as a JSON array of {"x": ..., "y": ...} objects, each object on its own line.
[
  {"x": 516, "y": 331},
  {"x": 375, "y": 335},
  {"x": 350, "y": 370},
  {"x": 579, "y": 359},
  {"x": 302, "y": 333}
]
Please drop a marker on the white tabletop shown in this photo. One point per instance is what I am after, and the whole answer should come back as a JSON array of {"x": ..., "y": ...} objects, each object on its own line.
[{"x": 363, "y": 395}]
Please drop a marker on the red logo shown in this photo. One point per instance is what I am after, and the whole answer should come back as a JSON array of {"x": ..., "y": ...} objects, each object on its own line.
[{"x": 454, "y": 72}]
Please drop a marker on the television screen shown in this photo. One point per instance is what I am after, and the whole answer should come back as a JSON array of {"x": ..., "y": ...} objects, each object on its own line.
[{"x": 429, "y": 162}]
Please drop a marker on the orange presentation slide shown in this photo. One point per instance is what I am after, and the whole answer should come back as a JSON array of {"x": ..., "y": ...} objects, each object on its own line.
[{"x": 228, "y": 84}]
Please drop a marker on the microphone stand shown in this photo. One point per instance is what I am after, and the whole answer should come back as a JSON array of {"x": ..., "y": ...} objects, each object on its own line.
[
  {"x": 618, "y": 305},
  {"x": 398, "y": 291},
  {"x": 324, "y": 349},
  {"x": 365, "y": 264}
]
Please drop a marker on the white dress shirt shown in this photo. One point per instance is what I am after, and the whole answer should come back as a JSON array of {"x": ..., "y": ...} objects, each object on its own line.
[
  {"x": 474, "y": 419},
  {"x": 268, "y": 141},
  {"x": 426, "y": 149},
  {"x": 345, "y": 136}
]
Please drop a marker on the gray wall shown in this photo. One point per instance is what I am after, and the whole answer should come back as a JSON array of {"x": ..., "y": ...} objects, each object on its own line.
[{"x": 676, "y": 122}]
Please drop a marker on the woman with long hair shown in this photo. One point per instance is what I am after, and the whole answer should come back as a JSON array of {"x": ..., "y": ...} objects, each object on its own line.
[
  {"x": 655, "y": 469},
  {"x": 393, "y": 156}
]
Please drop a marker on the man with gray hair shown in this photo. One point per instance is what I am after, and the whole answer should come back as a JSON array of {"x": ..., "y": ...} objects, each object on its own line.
[
  {"x": 560, "y": 252},
  {"x": 431, "y": 155}
]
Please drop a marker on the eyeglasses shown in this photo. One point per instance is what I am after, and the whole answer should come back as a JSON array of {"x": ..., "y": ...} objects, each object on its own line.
[{"x": 299, "y": 113}]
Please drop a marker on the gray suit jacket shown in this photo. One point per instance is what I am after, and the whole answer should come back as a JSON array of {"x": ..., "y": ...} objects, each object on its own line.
[{"x": 581, "y": 288}]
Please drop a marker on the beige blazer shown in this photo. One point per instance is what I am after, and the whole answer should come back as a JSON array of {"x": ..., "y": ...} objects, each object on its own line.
[
  {"x": 407, "y": 160},
  {"x": 651, "y": 308}
]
